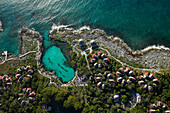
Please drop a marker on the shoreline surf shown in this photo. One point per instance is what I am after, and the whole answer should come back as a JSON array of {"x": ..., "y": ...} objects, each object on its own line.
[{"x": 148, "y": 48}]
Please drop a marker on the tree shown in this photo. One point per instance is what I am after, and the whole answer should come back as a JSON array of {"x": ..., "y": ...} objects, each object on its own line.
[{"x": 124, "y": 99}]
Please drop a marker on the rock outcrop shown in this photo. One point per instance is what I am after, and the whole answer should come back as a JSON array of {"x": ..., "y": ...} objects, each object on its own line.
[{"x": 1, "y": 27}]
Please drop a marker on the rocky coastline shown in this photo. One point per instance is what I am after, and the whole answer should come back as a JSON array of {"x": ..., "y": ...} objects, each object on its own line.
[
  {"x": 31, "y": 40},
  {"x": 31, "y": 43},
  {"x": 1, "y": 26},
  {"x": 152, "y": 57}
]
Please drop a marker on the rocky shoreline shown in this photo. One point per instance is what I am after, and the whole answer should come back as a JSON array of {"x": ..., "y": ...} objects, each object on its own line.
[
  {"x": 152, "y": 57},
  {"x": 31, "y": 40},
  {"x": 1, "y": 26}
]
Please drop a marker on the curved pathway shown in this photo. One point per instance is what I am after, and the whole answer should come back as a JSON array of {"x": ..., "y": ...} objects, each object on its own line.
[
  {"x": 21, "y": 56},
  {"x": 122, "y": 63}
]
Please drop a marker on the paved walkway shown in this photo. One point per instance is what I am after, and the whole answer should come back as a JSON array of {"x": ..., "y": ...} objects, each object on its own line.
[
  {"x": 21, "y": 56},
  {"x": 122, "y": 63}
]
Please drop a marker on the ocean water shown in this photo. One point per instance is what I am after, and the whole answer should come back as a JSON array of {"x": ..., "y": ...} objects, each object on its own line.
[{"x": 139, "y": 23}]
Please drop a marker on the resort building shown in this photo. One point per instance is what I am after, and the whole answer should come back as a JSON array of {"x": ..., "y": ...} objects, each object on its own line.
[
  {"x": 106, "y": 72},
  {"x": 82, "y": 44},
  {"x": 27, "y": 102},
  {"x": 31, "y": 99},
  {"x": 150, "y": 89},
  {"x": 92, "y": 60},
  {"x": 145, "y": 75},
  {"x": 24, "y": 90},
  {"x": 100, "y": 66},
  {"x": 165, "y": 106},
  {"x": 118, "y": 73},
  {"x": 93, "y": 44},
  {"x": 141, "y": 77},
  {"x": 123, "y": 82},
  {"x": 159, "y": 105},
  {"x": 94, "y": 56},
  {"x": 103, "y": 55},
  {"x": 99, "y": 84},
  {"x": 103, "y": 86},
  {"x": 19, "y": 99},
  {"x": 151, "y": 76},
  {"x": 127, "y": 69},
  {"x": 8, "y": 79},
  {"x": 99, "y": 75},
  {"x": 155, "y": 80},
  {"x": 141, "y": 82},
  {"x": 128, "y": 82},
  {"x": 22, "y": 68},
  {"x": 105, "y": 64},
  {"x": 23, "y": 104},
  {"x": 154, "y": 85},
  {"x": 131, "y": 73},
  {"x": 28, "y": 96},
  {"x": 145, "y": 87},
  {"x": 167, "y": 111},
  {"x": 28, "y": 90},
  {"x": 99, "y": 53},
  {"x": 20, "y": 95},
  {"x": 9, "y": 84},
  {"x": 19, "y": 70},
  {"x": 121, "y": 69},
  {"x": 109, "y": 75},
  {"x": 100, "y": 60},
  {"x": 97, "y": 79},
  {"x": 4, "y": 76},
  {"x": 29, "y": 76},
  {"x": 96, "y": 65},
  {"x": 20, "y": 79},
  {"x": 132, "y": 78},
  {"x": 27, "y": 67},
  {"x": 32, "y": 94},
  {"x": 20, "y": 74},
  {"x": 17, "y": 76},
  {"x": 153, "y": 106},
  {"x": 145, "y": 78},
  {"x": 106, "y": 60},
  {"x": 116, "y": 98},
  {"x": 30, "y": 71},
  {"x": 152, "y": 111},
  {"x": 119, "y": 79},
  {"x": 111, "y": 80}
]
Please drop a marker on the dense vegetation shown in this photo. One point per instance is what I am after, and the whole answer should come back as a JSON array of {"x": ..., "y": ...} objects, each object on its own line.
[{"x": 85, "y": 99}]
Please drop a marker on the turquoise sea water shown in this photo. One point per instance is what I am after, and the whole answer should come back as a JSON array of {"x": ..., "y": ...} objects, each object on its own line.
[{"x": 54, "y": 60}]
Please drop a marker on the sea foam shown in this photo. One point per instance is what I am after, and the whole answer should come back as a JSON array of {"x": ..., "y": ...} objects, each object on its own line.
[{"x": 156, "y": 47}]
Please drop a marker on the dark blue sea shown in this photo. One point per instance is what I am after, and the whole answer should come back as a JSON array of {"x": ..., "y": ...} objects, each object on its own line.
[{"x": 139, "y": 23}]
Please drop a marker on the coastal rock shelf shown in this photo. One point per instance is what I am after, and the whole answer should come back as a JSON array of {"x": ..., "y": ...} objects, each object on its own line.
[
  {"x": 30, "y": 40},
  {"x": 152, "y": 57}
]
